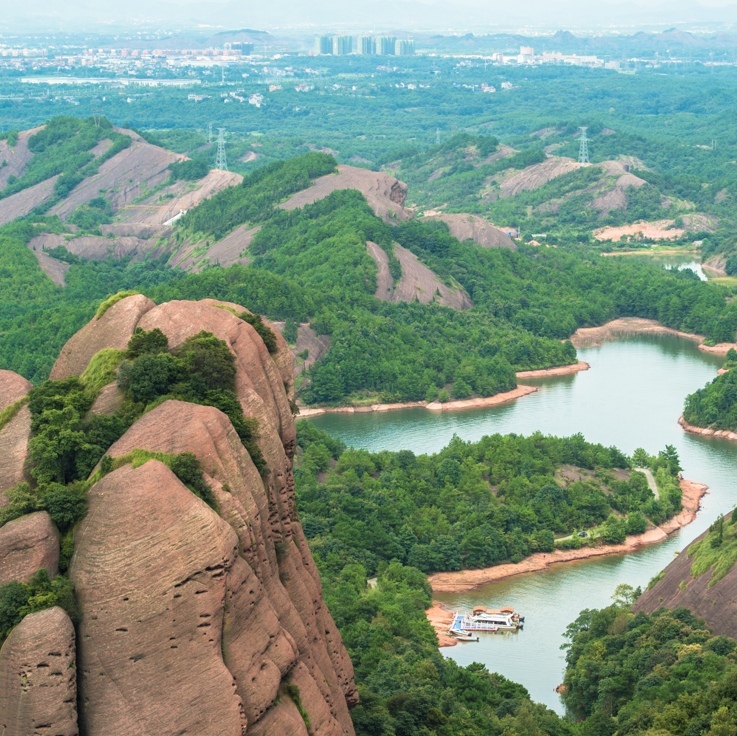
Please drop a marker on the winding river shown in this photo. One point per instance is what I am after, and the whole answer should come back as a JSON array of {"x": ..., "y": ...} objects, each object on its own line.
[{"x": 631, "y": 397}]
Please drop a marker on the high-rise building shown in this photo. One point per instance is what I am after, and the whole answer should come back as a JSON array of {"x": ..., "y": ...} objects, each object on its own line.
[
  {"x": 342, "y": 45},
  {"x": 366, "y": 45},
  {"x": 245, "y": 48},
  {"x": 323, "y": 45},
  {"x": 385, "y": 45},
  {"x": 404, "y": 47}
]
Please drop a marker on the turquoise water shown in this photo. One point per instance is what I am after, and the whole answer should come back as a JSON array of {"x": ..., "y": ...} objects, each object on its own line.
[{"x": 631, "y": 397}]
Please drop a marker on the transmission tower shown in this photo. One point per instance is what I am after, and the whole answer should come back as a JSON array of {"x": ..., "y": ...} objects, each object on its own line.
[
  {"x": 437, "y": 136},
  {"x": 583, "y": 151},
  {"x": 221, "y": 162},
  {"x": 209, "y": 132}
]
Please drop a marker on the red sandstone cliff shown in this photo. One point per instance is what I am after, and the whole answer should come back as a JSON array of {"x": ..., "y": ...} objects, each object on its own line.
[{"x": 194, "y": 619}]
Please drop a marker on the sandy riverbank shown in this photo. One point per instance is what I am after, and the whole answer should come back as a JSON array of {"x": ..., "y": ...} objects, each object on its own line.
[
  {"x": 669, "y": 252},
  {"x": 441, "y": 619},
  {"x": 432, "y": 406},
  {"x": 456, "y": 582},
  {"x": 561, "y": 370},
  {"x": 587, "y": 337},
  {"x": 725, "y": 434}
]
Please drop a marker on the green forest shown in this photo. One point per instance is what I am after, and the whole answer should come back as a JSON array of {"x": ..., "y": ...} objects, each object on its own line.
[
  {"x": 395, "y": 516},
  {"x": 715, "y": 405},
  {"x": 472, "y": 505},
  {"x": 659, "y": 673},
  {"x": 526, "y": 302}
]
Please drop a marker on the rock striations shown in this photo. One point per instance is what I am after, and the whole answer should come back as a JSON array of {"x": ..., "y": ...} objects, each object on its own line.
[
  {"x": 15, "y": 433},
  {"x": 38, "y": 684},
  {"x": 193, "y": 620}
]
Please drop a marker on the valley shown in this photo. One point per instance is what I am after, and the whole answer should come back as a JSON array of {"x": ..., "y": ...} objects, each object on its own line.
[{"x": 268, "y": 415}]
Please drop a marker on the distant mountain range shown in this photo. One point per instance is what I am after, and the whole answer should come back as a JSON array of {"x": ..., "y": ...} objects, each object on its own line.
[{"x": 297, "y": 17}]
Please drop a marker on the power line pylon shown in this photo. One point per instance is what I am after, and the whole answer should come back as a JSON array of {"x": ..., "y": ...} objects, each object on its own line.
[
  {"x": 437, "y": 136},
  {"x": 209, "y": 132},
  {"x": 221, "y": 162},
  {"x": 583, "y": 150}
]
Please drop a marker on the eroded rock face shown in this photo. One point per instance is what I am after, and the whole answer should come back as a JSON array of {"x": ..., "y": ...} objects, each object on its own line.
[
  {"x": 275, "y": 615},
  {"x": 194, "y": 619},
  {"x": 15, "y": 434},
  {"x": 38, "y": 691},
  {"x": 27, "y": 544},
  {"x": 112, "y": 330},
  {"x": 715, "y": 605},
  {"x": 150, "y": 569},
  {"x": 385, "y": 194}
]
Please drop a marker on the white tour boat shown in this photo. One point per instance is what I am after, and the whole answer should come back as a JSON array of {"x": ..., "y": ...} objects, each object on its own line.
[{"x": 503, "y": 618}]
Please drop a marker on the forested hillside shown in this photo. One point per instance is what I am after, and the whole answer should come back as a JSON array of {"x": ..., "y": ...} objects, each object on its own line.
[
  {"x": 659, "y": 673},
  {"x": 715, "y": 405},
  {"x": 394, "y": 515},
  {"x": 310, "y": 264},
  {"x": 472, "y": 505}
]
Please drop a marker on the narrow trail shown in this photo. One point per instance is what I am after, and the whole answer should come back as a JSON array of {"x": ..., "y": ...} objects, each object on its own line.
[{"x": 650, "y": 481}]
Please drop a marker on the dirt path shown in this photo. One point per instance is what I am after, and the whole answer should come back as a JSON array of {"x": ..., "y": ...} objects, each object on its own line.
[
  {"x": 650, "y": 481},
  {"x": 455, "y": 582}
]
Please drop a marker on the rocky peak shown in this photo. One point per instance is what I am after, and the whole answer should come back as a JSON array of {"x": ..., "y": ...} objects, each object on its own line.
[{"x": 195, "y": 617}]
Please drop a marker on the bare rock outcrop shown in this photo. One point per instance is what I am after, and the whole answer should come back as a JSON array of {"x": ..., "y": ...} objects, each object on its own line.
[
  {"x": 27, "y": 544},
  {"x": 677, "y": 588},
  {"x": 122, "y": 178},
  {"x": 193, "y": 619},
  {"x": 473, "y": 227},
  {"x": 535, "y": 176},
  {"x": 112, "y": 330},
  {"x": 38, "y": 690},
  {"x": 385, "y": 194},
  {"x": 316, "y": 345},
  {"x": 418, "y": 282},
  {"x": 224, "y": 253},
  {"x": 15, "y": 434},
  {"x": 21, "y": 203},
  {"x": 150, "y": 570},
  {"x": 13, "y": 160}
]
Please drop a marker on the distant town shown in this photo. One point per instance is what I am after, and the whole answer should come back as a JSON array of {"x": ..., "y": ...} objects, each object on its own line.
[{"x": 136, "y": 60}]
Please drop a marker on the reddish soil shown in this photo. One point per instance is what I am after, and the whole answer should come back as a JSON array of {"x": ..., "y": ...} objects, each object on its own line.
[
  {"x": 724, "y": 434},
  {"x": 441, "y": 619},
  {"x": 561, "y": 370},
  {"x": 433, "y": 406},
  {"x": 594, "y": 336},
  {"x": 655, "y": 230}
]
